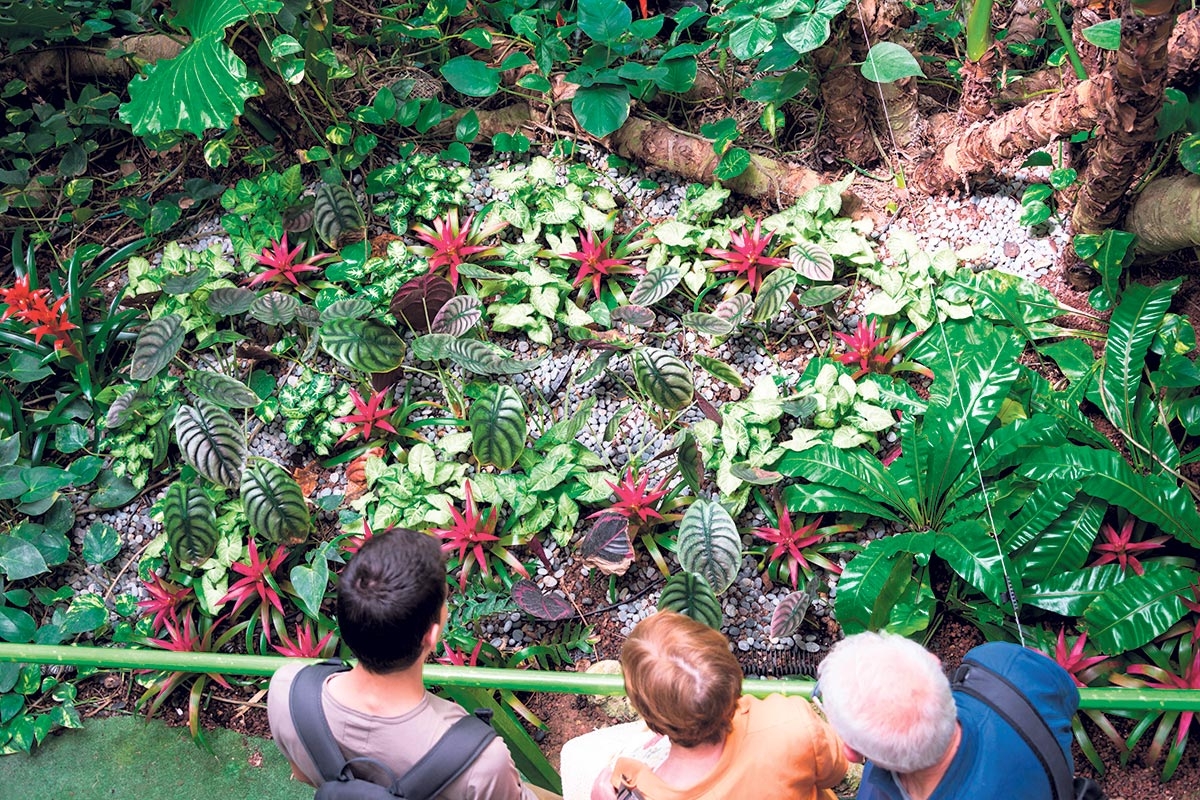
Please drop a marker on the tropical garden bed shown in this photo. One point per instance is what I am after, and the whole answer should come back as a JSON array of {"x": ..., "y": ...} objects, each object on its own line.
[{"x": 565, "y": 288}]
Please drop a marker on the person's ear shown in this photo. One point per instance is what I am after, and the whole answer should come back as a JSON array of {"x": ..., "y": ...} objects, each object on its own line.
[{"x": 852, "y": 755}]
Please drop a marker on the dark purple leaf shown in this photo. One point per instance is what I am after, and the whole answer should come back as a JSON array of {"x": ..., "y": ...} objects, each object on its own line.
[
  {"x": 789, "y": 614},
  {"x": 385, "y": 380},
  {"x": 708, "y": 409},
  {"x": 606, "y": 546},
  {"x": 417, "y": 302},
  {"x": 529, "y": 598}
]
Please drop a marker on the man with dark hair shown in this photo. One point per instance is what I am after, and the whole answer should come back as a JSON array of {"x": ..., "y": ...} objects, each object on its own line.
[{"x": 391, "y": 609}]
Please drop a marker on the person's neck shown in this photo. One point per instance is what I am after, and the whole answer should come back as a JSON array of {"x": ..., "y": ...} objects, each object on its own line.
[
  {"x": 379, "y": 694},
  {"x": 921, "y": 784},
  {"x": 687, "y": 766}
]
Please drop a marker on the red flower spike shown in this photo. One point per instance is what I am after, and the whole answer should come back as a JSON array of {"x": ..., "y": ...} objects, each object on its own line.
[
  {"x": 257, "y": 581},
  {"x": 369, "y": 416},
  {"x": 164, "y": 602},
  {"x": 283, "y": 265},
  {"x": 790, "y": 543},
  {"x": 305, "y": 645},
  {"x": 470, "y": 536},
  {"x": 1074, "y": 661},
  {"x": 1118, "y": 547},
  {"x": 633, "y": 501},
  {"x": 861, "y": 346},
  {"x": 746, "y": 256},
  {"x": 448, "y": 244},
  {"x": 595, "y": 262},
  {"x": 453, "y": 657},
  {"x": 20, "y": 298}
]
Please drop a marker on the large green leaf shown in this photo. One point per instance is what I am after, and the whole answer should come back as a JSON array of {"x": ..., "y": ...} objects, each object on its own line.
[
  {"x": 1130, "y": 331},
  {"x": 1043, "y": 505},
  {"x": 1065, "y": 543},
  {"x": 709, "y": 545},
  {"x": 970, "y": 550},
  {"x": 205, "y": 86},
  {"x": 852, "y": 470},
  {"x": 221, "y": 390},
  {"x": 663, "y": 378},
  {"x": 1139, "y": 608},
  {"x": 275, "y": 308},
  {"x": 362, "y": 344},
  {"x": 1104, "y": 474},
  {"x": 157, "y": 344},
  {"x": 274, "y": 502},
  {"x": 888, "y": 62},
  {"x": 190, "y": 521},
  {"x": 212, "y": 442},
  {"x": 602, "y": 109},
  {"x": 1070, "y": 593},
  {"x": 604, "y": 20},
  {"x": 498, "y": 426},
  {"x": 471, "y": 77},
  {"x": 875, "y": 578},
  {"x": 484, "y": 358},
  {"x": 689, "y": 594},
  {"x": 335, "y": 211},
  {"x": 812, "y": 498},
  {"x": 655, "y": 285}
]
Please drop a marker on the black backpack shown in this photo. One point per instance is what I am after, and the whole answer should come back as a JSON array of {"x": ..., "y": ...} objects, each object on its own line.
[
  {"x": 447, "y": 759},
  {"x": 1009, "y": 702}
]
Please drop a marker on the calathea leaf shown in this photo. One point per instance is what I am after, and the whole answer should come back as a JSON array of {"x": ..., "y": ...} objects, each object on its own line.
[
  {"x": 227, "y": 301},
  {"x": 275, "y": 308},
  {"x": 689, "y": 594},
  {"x": 707, "y": 324},
  {"x": 487, "y": 358},
  {"x": 606, "y": 545},
  {"x": 690, "y": 460},
  {"x": 221, "y": 390},
  {"x": 773, "y": 294},
  {"x": 552, "y": 607},
  {"x": 190, "y": 521},
  {"x": 335, "y": 212},
  {"x": 157, "y": 344},
  {"x": 734, "y": 310},
  {"x": 274, "y": 503},
  {"x": 498, "y": 426},
  {"x": 663, "y": 378},
  {"x": 350, "y": 308},
  {"x": 709, "y": 545},
  {"x": 655, "y": 285},
  {"x": 789, "y": 614},
  {"x": 457, "y": 316},
  {"x": 362, "y": 344},
  {"x": 638, "y": 316},
  {"x": 812, "y": 261},
  {"x": 212, "y": 442}
]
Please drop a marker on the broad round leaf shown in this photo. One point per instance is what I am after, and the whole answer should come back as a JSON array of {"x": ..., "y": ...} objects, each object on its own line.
[
  {"x": 820, "y": 295},
  {"x": 350, "y": 308},
  {"x": 606, "y": 545},
  {"x": 709, "y": 544},
  {"x": 418, "y": 301},
  {"x": 663, "y": 378},
  {"x": 752, "y": 38},
  {"x": 600, "y": 110},
  {"x": 1189, "y": 153},
  {"x": 190, "y": 521},
  {"x": 362, "y": 344},
  {"x": 888, "y": 62},
  {"x": 790, "y": 613},
  {"x": 156, "y": 345},
  {"x": 458, "y": 316},
  {"x": 735, "y": 161},
  {"x": 471, "y": 77},
  {"x": 498, "y": 426},
  {"x": 212, "y": 442},
  {"x": 553, "y": 607},
  {"x": 773, "y": 294},
  {"x": 487, "y": 358},
  {"x": 186, "y": 284},
  {"x": 812, "y": 261},
  {"x": 1105, "y": 35},
  {"x": 690, "y": 595},
  {"x": 221, "y": 390},
  {"x": 227, "y": 301},
  {"x": 120, "y": 411},
  {"x": 274, "y": 503},
  {"x": 275, "y": 308},
  {"x": 655, "y": 285}
]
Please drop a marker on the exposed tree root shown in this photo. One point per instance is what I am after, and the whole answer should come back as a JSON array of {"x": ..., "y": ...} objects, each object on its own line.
[
  {"x": 1128, "y": 130},
  {"x": 46, "y": 68},
  {"x": 844, "y": 96},
  {"x": 1166, "y": 215}
]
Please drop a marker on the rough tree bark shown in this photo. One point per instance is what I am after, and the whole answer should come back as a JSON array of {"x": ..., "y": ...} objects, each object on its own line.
[
  {"x": 51, "y": 67},
  {"x": 1166, "y": 215},
  {"x": 978, "y": 87},
  {"x": 888, "y": 21},
  {"x": 844, "y": 96},
  {"x": 1127, "y": 131},
  {"x": 985, "y": 147},
  {"x": 1088, "y": 13}
]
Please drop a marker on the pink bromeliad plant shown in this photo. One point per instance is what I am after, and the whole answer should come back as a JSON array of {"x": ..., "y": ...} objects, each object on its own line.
[
  {"x": 449, "y": 245},
  {"x": 473, "y": 539},
  {"x": 801, "y": 549},
  {"x": 598, "y": 259},
  {"x": 1086, "y": 670},
  {"x": 367, "y": 416},
  {"x": 257, "y": 582},
  {"x": 746, "y": 256},
  {"x": 871, "y": 350},
  {"x": 284, "y": 265},
  {"x": 1119, "y": 547}
]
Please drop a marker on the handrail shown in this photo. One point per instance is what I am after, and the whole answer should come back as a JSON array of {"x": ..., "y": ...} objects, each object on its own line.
[{"x": 521, "y": 680}]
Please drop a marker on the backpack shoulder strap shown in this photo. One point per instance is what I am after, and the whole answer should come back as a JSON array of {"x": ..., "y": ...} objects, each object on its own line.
[
  {"x": 1009, "y": 702},
  {"x": 304, "y": 703},
  {"x": 447, "y": 760}
]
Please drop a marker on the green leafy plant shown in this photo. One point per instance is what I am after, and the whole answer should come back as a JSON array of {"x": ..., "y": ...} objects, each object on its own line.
[{"x": 418, "y": 185}]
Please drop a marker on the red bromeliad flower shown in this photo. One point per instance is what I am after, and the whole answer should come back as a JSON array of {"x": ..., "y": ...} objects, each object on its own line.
[
  {"x": 353, "y": 544},
  {"x": 165, "y": 601},
  {"x": 305, "y": 645},
  {"x": 369, "y": 416},
  {"x": 454, "y": 657},
  {"x": 595, "y": 262},
  {"x": 448, "y": 243},
  {"x": 20, "y": 298},
  {"x": 861, "y": 346},
  {"x": 790, "y": 543},
  {"x": 633, "y": 501},
  {"x": 48, "y": 319},
  {"x": 257, "y": 581},
  {"x": 283, "y": 265},
  {"x": 471, "y": 535},
  {"x": 1118, "y": 547},
  {"x": 1169, "y": 680},
  {"x": 1075, "y": 661},
  {"x": 746, "y": 256}
]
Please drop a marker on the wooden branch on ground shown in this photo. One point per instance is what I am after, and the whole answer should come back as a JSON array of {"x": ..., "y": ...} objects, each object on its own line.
[{"x": 1166, "y": 215}]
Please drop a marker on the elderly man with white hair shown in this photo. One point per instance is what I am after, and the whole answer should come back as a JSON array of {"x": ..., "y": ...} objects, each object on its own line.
[{"x": 894, "y": 708}]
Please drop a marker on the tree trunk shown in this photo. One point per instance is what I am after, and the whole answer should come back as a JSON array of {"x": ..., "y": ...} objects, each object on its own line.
[
  {"x": 896, "y": 111},
  {"x": 985, "y": 147},
  {"x": 1088, "y": 13},
  {"x": 1166, "y": 215},
  {"x": 978, "y": 87},
  {"x": 1127, "y": 133},
  {"x": 843, "y": 97},
  {"x": 51, "y": 67}
]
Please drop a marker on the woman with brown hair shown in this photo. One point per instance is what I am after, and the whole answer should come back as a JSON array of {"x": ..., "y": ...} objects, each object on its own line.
[{"x": 682, "y": 678}]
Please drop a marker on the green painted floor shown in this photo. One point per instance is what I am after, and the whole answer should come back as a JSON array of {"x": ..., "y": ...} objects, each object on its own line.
[{"x": 127, "y": 758}]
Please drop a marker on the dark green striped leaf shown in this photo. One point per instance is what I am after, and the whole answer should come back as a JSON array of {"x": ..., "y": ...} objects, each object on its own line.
[
  {"x": 498, "y": 426},
  {"x": 773, "y": 294},
  {"x": 362, "y": 344},
  {"x": 1130, "y": 331},
  {"x": 719, "y": 370},
  {"x": 230, "y": 300},
  {"x": 335, "y": 212},
  {"x": 1070, "y": 593},
  {"x": 707, "y": 324},
  {"x": 663, "y": 378},
  {"x": 655, "y": 285},
  {"x": 156, "y": 345},
  {"x": 709, "y": 544},
  {"x": 212, "y": 442},
  {"x": 274, "y": 504},
  {"x": 457, "y": 316},
  {"x": 190, "y": 521},
  {"x": 690, "y": 595},
  {"x": 350, "y": 308},
  {"x": 221, "y": 390},
  {"x": 487, "y": 358},
  {"x": 275, "y": 308}
]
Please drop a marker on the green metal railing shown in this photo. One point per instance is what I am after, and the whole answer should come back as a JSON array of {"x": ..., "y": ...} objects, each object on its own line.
[{"x": 520, "y": 680}]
